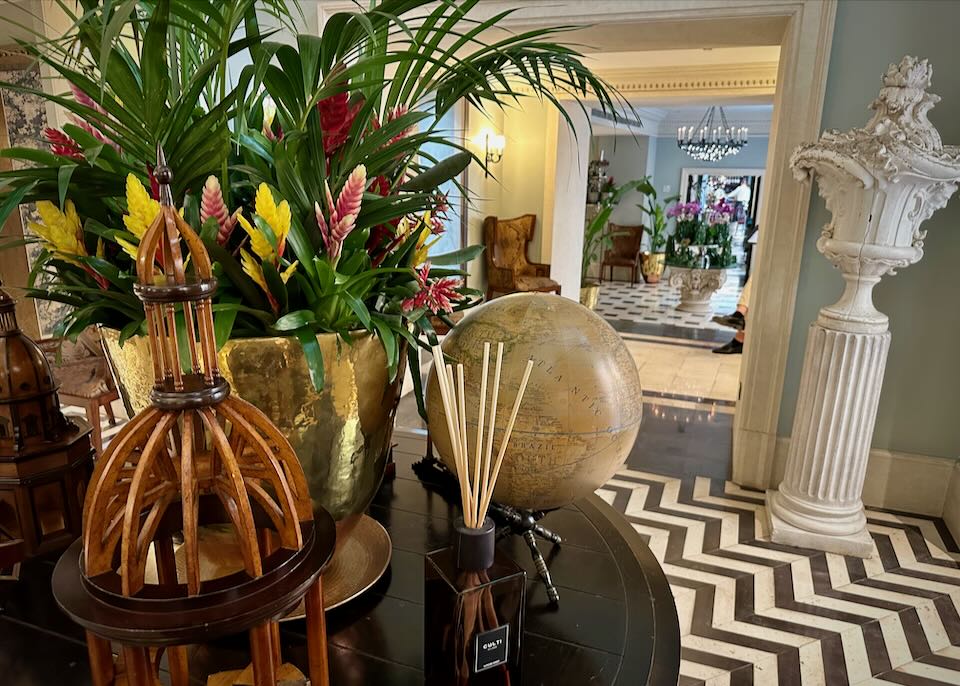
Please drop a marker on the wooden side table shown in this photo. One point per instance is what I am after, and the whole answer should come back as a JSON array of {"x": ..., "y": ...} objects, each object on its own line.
[{"x": 224, "y": 609}]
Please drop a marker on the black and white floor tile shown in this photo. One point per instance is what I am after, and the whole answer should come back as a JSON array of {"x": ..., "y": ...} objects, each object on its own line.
[
  {"x": 755, "y": 612},
  {"x": 656, "y": 303}
]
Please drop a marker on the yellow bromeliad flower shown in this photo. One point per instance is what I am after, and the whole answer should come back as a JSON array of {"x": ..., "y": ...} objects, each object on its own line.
[
  {"x": 141, "y": 208},
  {"x": 61, "y": 231},
  {"x": 261, "y": 246},
  {"x": 277, "y": 216},
  {"x": 128, "y": 248},
  {"x": 253, "y": 269},
  {"x": 422, "y": 249}
]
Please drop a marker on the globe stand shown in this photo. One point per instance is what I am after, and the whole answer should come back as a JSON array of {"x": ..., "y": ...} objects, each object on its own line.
[
  {"x": 524, "y": 523},
  {"x": 512, "y": 521}
]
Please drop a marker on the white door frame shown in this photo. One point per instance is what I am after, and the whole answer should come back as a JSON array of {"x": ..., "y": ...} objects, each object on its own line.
[{"x": 798, "y": 102}]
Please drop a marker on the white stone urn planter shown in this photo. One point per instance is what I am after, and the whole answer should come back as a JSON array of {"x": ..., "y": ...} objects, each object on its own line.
[{"x": 697, "y": 286}]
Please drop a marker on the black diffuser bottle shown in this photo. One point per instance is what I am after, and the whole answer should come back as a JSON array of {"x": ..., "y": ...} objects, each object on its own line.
[{"x": 473, "y": 612}]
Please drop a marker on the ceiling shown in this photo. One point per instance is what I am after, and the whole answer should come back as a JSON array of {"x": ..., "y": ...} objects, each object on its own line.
[
  {"x": 652, "y": 34},
  {"x": 688, "y": 57}
]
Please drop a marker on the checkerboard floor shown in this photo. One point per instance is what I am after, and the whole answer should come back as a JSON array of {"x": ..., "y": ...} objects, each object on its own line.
[{"x": 656, "y": 303}]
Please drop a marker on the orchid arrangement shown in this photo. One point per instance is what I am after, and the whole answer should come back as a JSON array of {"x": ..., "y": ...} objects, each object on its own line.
[
  {"x": 720, "y": 212},
  {"x": 306, "y": 175},
  {"x": 702, "y": 237},
  {"x": 685, "y": 211}
]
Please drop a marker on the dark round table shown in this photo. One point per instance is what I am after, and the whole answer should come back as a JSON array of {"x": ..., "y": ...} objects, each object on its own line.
[{"x": 616, "y": 623}]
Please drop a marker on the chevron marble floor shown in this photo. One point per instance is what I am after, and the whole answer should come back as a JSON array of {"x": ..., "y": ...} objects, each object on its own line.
[{"x": 755, "y": 612}]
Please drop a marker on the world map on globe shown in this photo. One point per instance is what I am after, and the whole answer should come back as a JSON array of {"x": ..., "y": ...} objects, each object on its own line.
[{"x": 581, "y": 410}]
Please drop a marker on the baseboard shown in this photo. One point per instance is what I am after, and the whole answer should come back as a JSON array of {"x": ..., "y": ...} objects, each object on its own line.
[
  {"x": 951, "y": 508},
  {"x": 899, "y": 481}
]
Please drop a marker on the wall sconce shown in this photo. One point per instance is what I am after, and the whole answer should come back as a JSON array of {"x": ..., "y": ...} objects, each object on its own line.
[{"x": 492, "y": 144}]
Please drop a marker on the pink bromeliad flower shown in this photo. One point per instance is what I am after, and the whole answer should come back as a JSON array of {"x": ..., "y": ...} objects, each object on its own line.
[
  {"x": 437, "y": 296},
  {"x": 62, "y": 144},
  {"x": 212, "y": 205},
  {"x": 343, "y": 213},
  {"x": 86, "y": 100}
]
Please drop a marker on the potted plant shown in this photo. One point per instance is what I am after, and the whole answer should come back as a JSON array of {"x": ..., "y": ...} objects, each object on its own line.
[
  {"x": 597, "y": 239},
  {"x": 308, "y": 179},
  {"x": 699, "y": 251},
  {"x": 654, "y": 260}
]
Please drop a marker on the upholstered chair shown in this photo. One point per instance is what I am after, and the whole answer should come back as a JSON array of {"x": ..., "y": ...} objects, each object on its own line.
[
  {"x": 624, "y": 251},
  {"x": 508, "y": 268}
]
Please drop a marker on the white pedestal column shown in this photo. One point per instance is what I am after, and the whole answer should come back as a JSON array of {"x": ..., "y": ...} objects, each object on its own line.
[{"x": 880, "y": 183}]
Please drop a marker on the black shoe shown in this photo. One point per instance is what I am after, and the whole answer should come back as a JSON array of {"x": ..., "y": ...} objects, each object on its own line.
[
  {"x": 734, "y": 347},
  {"x": 733, "y": 321}
]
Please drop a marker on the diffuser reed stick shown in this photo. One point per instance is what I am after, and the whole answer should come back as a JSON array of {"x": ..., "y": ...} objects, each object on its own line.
[{"x": 476, "y": 489}]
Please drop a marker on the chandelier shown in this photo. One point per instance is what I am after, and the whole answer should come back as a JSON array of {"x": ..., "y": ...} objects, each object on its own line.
[{"x": 711, "y": 140}]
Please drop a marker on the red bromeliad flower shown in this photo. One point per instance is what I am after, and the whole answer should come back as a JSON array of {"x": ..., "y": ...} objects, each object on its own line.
[
  {"x": 437, "y": 296},
  {"x": 62, "y": 144},
  {"x": 336, "y": 119},
  {"x": 439, "y": 216},
  {"x": 154, "y": 184}
]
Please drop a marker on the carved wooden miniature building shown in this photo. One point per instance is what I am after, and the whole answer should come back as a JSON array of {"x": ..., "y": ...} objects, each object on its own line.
[
  {"x": 45, "y": 459},
  {"x": 197, "y": 456}
]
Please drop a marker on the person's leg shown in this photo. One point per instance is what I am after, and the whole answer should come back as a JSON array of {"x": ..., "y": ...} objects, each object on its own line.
[{"x": 737, "y": 320}]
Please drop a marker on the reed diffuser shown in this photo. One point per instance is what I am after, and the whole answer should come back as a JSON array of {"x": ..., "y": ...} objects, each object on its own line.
[{"x": 474, "y": 593}]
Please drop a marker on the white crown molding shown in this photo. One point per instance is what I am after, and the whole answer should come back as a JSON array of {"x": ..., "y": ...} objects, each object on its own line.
[{"x": 699, "y": 82}]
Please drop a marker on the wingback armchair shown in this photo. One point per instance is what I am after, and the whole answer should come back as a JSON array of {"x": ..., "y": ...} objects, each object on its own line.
[
  {"x": 508, "y": 268},
  {"x": 624, "y": 251}
]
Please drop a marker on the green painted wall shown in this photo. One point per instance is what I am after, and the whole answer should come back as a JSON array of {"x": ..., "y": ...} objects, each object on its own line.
[{"x": 921, "y": 390}]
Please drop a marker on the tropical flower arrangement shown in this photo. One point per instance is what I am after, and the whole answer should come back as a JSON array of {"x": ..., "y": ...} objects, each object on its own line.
[
  {"x": 306, "y": 174},
  {"x": 702, "y": 238}
]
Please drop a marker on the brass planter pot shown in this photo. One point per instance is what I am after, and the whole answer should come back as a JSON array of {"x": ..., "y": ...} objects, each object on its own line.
[
  {"x": 590, "y": 295},
  {"x": 340, "y": 434},
  {"x": 652, "y": 265}
]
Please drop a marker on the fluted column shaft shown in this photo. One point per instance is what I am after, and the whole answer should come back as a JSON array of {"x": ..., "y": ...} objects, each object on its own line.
[{"x": 832, "y": 430}]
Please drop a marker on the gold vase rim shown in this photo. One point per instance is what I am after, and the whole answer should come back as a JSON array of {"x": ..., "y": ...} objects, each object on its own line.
[{"x": 353, "y": 332}]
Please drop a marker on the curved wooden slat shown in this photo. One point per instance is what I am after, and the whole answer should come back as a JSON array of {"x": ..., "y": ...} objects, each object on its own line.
[
  {"x": 289, "y": 530},
  {"x": 246, "y": 529},
  {"x": 191, "y": 504},
  {"x": 134, "y": 505},
  {"x": 283, "y": 454}
]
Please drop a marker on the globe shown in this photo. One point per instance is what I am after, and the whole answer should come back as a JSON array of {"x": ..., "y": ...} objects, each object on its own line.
[{"x": 581, "y": 410}]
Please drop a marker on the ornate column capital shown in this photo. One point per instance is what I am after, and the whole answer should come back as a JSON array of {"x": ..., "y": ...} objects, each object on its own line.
[{"x": 880, "y": 183}]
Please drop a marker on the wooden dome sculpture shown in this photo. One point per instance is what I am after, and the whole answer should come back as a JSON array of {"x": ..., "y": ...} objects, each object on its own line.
[
  {"x": 45, "y": 459},
  {"x": 196, "y": 456}
]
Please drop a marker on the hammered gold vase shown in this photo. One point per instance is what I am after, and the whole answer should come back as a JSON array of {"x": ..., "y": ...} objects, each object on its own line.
[
  {"x": 652, "y": 266},
  {"x": 340, "y": 434},
  {"x": 590, "y": 294}
]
